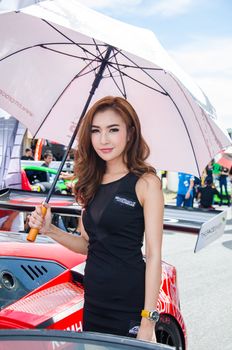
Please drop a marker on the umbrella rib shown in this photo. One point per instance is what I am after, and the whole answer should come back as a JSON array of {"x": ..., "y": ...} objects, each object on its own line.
[
  {"x": 100, "y": 55},
  {"x": 117, "y": 68},
  {"x": 122, "y": 91},
  {"x": 15, "y": 52},
  {"x": 138, "y": 81},
  {"x": 74, "y": 43},
  {"x": 70, "y": 55},
  {"x": 177, "y": 108},
  {"x": 79, "y": 75},
  {"x": 121, "y": 78},
  {"x": 76, "y": 76},
  {"x": 186, "y": 129},
  {"x": 143, "y": 69},
  {"x": 139, "y": 67},
  {"x": 110, "y": 73},
  {"x": 119, "y": 51},
  {"x": 202, "y": 133},
  {"x": 194, "y": 113},
  {"x": 47, "y": 48},
  {"x": 70, "y": 40}
]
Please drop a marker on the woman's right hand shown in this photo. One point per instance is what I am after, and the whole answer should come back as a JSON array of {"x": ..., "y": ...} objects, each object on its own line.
[{"x": 36, "y": 219}]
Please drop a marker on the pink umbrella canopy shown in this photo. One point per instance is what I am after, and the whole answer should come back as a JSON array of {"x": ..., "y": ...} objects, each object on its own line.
[
  {"x": 224, "y": 159},
  {"x": 58, "y": 57},
  {"x": 226, "y": 163}
]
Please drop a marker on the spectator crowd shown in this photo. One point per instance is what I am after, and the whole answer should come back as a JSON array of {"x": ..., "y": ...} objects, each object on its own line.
[{"x": 213, "y": 184}]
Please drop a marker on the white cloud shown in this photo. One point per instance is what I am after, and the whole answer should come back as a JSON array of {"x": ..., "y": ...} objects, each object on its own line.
[
  {"x": 110, "y": 4},
  {"x": 209, "y": 62},
  {"x": 169, "y": 8},
  {"x": 144, "y": 8}
]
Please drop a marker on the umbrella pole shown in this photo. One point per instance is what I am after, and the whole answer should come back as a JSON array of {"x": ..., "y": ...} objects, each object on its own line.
[{"x": 34, "y": 231}]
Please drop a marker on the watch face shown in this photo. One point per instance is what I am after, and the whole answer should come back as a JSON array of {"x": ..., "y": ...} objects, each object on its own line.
[{"x": 154, "y": 315}]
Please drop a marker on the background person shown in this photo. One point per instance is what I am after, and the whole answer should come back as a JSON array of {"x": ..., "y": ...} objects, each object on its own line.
[
  {"x": 230, "y": 177},
  {"x": 196, "y": 186},
  {"x": 185, "y": 190},
  {"x": 48, "y": 158},
  {"x": 206, "y": 194},
  {"x": 123, "y": 201},
  {"x": 209, "y": 171},
  {"x": 216, "y": 172},
  {"x": 223, "y": 185},
  {"x": 28, "y": 154}
]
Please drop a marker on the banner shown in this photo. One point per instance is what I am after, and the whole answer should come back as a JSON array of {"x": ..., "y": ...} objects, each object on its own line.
[
  {"x": 38, "y": 149},
  {"x": 11, "y": 137}
]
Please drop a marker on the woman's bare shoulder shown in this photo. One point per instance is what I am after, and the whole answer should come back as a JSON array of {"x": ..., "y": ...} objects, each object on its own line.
[
  {"x": 148, "y": 185},
  {"x": 149, "y": 180}
]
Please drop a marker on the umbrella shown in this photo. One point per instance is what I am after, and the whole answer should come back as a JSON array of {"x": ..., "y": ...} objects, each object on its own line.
[
  {"x": 58, "y": 57},
  {"x": 228, "y": 153},
  {"x": 224, "y": 159}
]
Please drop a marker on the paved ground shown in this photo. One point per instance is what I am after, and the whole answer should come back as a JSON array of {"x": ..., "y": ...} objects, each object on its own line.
[{"x": 205, "y": 284}]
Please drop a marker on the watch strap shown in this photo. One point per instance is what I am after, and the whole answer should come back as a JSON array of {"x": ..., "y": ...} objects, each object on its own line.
[
  {"x": 145, "y": 313},
  {"x": 150, "y": 315}
]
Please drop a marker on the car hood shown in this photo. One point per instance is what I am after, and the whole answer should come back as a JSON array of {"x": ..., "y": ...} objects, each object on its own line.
[{"x": 16, "y": 245}]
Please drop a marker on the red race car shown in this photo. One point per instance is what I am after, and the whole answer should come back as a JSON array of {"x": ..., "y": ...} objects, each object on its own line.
[{"x": 41, "y": 286}]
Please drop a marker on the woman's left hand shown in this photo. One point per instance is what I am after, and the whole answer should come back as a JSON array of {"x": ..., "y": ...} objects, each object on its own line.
[{"x": 147, "y": 331}]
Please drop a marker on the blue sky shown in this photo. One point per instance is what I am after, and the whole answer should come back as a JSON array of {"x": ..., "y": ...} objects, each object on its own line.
[{"x": 196, "y": 33}]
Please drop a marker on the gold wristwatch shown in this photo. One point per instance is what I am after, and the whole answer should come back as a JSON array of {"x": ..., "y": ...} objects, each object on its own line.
[{"x": 151, "y": 315}]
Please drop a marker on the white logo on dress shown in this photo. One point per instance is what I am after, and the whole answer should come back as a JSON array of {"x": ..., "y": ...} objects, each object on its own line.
[
  {"x": 134, "y": 330},
  {"x": 125, "y": 201}
]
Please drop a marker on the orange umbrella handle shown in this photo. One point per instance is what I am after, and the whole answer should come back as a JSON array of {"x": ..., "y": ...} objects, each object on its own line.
[{"x": 34, "y": 231}]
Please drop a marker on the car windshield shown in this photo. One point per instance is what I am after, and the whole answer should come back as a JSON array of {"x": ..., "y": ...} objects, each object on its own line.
[
  {"x": 35, "y": 175},
  {"x": 54, "y": 344},
  {"x": 41, "y": 344},
  {"x": 65, "y": 340}
]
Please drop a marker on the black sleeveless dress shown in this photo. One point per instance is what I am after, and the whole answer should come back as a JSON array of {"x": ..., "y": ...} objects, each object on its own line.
[{"x": 115, "y": 270}]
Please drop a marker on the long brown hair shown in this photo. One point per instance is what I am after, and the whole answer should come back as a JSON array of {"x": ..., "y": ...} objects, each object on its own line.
[{"x": 89, "y": 167}]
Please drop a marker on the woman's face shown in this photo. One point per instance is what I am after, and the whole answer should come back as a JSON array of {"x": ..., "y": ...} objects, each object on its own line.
[{"x": 109, "y": 135}]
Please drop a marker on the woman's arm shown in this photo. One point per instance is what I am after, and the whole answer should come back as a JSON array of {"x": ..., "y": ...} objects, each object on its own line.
[
  {"x": 151, "y": 195},
  {"x": 78, "y": 244}
]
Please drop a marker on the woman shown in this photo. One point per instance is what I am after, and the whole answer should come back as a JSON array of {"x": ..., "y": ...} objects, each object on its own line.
[{"x": 122, "y": 198}]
